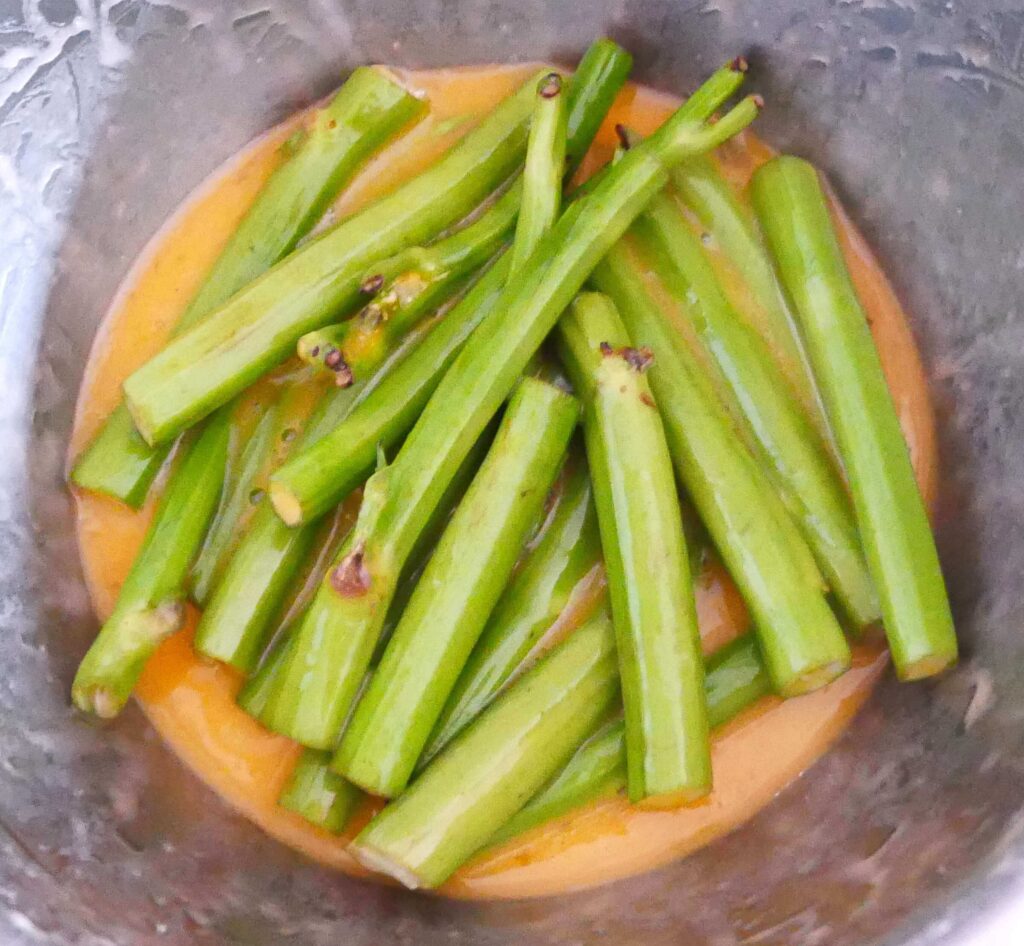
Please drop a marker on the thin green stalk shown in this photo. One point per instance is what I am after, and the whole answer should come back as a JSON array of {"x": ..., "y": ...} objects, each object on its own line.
[
  {"x": 245, "y": 480},
  {"x": 259, "y": 326},
  {"x": 475, "y": 786},
  {"x": 779, "y": 431},
  {"x": 319, "y": 795},
  {"x": 645, "y": 555},
  {"x": 802, "y": 642},
  {"x": 368, "y": 110},
  {"x": 459, "y": 588},
  {"x": 735, "y": 678},
  {"x": 545, "y": 165},
  {"x": 254, "y": 696},
  {"x": 733, "y": 226},
  {"x": 568, "y": 551},
  {"x": 597, "y": 81},
  {"x": 150, "y": 605},
  {"x": 334, "y": 648},
  {"x": 891, "y": 514}
]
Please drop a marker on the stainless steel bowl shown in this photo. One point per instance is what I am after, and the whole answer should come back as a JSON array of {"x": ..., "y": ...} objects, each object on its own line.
[{"x": 909, "y": 832}]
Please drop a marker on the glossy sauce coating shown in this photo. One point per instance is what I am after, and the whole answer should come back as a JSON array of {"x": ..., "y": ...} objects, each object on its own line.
[{"x": 191, "y": 701}]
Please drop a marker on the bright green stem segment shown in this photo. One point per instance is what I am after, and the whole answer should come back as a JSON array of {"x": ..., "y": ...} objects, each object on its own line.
[
  {"x": 641, "y": 526},
  {"x": 890, "y": 511},
  {"x": 597, "y": 81},
  {"x": 779, "y": 431},
  {"x": 339, "y": 634},
  {"x": 731, "y": 223},
  {"x": 801, "y": 640},
  {"x": 458, "y": 590},
  {"x": 319, "y": 795},
  {"x": 735, "y": 678},
  {"x": 321, "y": 157},
  {"x": 150, "y": 606},
  {"x": 568, "y": 551},
  {"x": 519, "y": 743},
  {"x": 259, "y": 326},
  {"x": 545, "y": 164}
]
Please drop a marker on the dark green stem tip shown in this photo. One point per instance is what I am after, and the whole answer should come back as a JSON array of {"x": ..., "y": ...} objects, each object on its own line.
[{"x": 549, "y": 86}]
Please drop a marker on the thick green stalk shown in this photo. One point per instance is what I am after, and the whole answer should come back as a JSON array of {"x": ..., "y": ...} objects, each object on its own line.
[
  {"x": 259, "y": 326},
  {"x": 319, "y": 795},
  {"x": 337, "y": 138},
  {"x": 779, "y": 431},
  {"x": 568, "y": 551},
  {"x": 645, "y": 555},
  {"x": 519, "y": 743},
  {"x": 545, "y": 165},
  {"x": 764, "y": 552},
  {"x": 733, "y": 226},
  {"x": 332, "y": 655},
  {"x": 457, "y": 592},
  {"x": 734, "y": 679},
  {"x": 890, "y": 511},
  {"x": 150, "y": 605}
]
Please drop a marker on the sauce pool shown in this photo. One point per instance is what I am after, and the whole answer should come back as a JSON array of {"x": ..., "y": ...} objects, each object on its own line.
[{"x": 190, "y": 701}]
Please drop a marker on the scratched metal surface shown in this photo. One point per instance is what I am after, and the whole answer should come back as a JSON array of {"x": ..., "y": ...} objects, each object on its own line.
[{"x": 908, "y": 833}]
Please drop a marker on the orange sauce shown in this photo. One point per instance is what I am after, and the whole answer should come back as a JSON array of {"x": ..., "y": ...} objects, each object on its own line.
[{"x": 190, "y": 701}]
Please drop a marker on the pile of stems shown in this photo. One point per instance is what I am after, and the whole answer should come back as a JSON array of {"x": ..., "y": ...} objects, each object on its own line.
[
  {"x": 457, "y": 592},
  {"x": 320, "y": 158},
  {"x": 778, "y": 429},
  {"x": 269, "y": 554},
  {"x": 258, "y": 327},
  {"x": 653, "y": 607},
  {"x": 891, "y": 514},
  {"x": 801, "y": 640},
  {"x": 263, "y": 560},
  {"x": 332, "y": 652}
]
